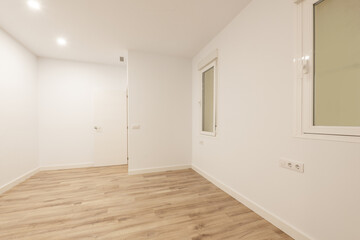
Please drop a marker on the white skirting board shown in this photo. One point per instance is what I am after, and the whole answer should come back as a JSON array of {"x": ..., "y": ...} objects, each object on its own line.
[
  {"x": 18, "y": 180},
  {"x": 68, "y": 166},
  {"x": 270, "y": 217},
  {"x": 158, "y": 169}
]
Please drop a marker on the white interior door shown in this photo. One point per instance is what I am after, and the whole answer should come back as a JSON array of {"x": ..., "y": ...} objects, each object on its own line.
[{"x": 110, "y": 126}]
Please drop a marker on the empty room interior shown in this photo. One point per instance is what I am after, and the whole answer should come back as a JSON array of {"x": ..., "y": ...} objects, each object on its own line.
[{"x": 179, "y": 119}]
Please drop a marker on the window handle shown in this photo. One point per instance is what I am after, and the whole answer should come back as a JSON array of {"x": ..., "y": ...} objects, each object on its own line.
[{"x": 305, "y": 64}]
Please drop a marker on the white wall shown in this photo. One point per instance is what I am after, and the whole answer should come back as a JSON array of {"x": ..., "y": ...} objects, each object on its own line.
[
  {"x": 66, "y": 109},
  {"x": 160, "y": 102},
  {"x": 18, "y": 110},
  {"x": 255, "y": 119}
]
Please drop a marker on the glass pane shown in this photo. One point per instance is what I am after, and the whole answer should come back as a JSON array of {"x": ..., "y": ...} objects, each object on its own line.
[
  {"x": 208, "y": 101},
  {"x": 337, "y": 63}
]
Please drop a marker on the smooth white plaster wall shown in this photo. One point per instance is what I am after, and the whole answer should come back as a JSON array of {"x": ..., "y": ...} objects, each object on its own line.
[
  {"x": 18, "y": 110},
  {"x": 160, "y": 102},
  {"x": 66, "y": 109},
  {"x": 255, "y": 130}
]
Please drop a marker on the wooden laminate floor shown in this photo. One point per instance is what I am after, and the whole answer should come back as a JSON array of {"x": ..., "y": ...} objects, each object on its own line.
[{"x": 106, "y": 203}]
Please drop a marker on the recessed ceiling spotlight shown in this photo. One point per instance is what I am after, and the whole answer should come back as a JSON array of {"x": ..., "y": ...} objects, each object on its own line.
[
  {"x": 33, "y": 4},
  {"x": 61, "y": 41}
]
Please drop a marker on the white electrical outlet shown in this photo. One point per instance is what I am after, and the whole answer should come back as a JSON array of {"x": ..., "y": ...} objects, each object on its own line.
[{"x": 292, "y": 165}]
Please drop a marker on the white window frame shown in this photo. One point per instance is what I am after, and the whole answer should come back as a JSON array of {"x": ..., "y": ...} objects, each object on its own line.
[
  {"x": 204, "y": 66},
  {"x": 305, "y": 80}
]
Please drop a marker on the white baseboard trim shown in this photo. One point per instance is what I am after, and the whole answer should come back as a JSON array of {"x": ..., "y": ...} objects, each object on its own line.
[
  {"x": 109, "y": 165},
  {"x": 270, "y": 217},
  {"x": 18, "y": 180},
  {"x": 67, "y": 166},
  {"x": 158, "y": 169}
]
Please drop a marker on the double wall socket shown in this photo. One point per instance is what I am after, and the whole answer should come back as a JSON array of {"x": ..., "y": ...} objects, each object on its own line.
[{"x": 292, "y": 165}]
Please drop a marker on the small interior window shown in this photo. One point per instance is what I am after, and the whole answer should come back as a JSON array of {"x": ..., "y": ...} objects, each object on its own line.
[{"x": 208, "y": 100}]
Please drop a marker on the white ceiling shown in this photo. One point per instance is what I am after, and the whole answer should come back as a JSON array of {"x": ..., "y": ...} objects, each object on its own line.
[{"x": 102, "y": 30}]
